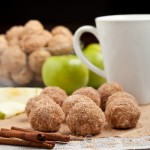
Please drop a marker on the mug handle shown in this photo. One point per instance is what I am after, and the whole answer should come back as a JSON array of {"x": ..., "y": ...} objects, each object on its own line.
[{"x": 78, "y": 51}]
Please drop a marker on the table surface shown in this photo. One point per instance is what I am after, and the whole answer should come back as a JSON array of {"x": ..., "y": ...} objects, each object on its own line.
[
  {"x": 139, "y": 138},
  {"x": 110, "y": 143}
]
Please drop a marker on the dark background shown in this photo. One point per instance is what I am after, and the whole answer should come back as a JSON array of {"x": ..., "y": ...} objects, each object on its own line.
[{"x": 70, "y": 13}]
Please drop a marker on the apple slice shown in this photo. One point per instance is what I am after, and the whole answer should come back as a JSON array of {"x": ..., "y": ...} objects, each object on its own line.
[
  {"x": 10, "y": 108},
  {"x": 14, "y": 99},
  {"x": 18, "y": 94}
]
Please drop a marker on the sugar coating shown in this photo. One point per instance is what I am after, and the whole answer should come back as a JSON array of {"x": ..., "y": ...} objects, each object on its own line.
[
  {"x": 47, "y": 118},
  {"x": 71, "y": 100},
  {"x": 31, "y": 102},
  {"x": 85, "y": 118},
  {"x": 24, "y": 76},
  {"x": 32, "y": 27},
  {"x": 13, "y": 59},
  {"x": 56, "y": 93},
  {"x": 62, "y": 30},
  {"x": 13, "y": 35},
  {"x": 120, "y": 95},
  {"x": 36, "y": 60},
  {"x": 89, "y": 92},
  {"x": 122, "y": 113},
  {"x": 106, "y": 90}
]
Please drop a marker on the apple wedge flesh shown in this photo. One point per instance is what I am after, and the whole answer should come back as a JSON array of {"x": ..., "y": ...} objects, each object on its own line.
[
  {"x": 9, "y": 109},
  {"x": 18, "y": 94}
]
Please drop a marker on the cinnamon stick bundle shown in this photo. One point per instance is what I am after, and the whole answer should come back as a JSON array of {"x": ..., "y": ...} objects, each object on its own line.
[
  {"x": 40, "y": 138},
  {"x": 23, "y": 137},
  {"x": 20, "y": 142},
  {"x": 34, "y": 137},
  {"x": 48, "y": 136}
]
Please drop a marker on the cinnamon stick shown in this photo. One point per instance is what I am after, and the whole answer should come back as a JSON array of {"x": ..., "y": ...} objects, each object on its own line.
[
  {"x": 49, "y": 142},
  {"x": 21, "y": 129},
  {"x": 34, "y": 137},
  {"x": 49, "y": 136},
  {"x": 20, "y": 142},
  {"x": 57, "y": 137}
]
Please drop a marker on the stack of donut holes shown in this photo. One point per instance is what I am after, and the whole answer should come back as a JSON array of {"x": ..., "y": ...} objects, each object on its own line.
[
  {"x": 24, "y": 48},
  {"x": 85, "y": 111}
]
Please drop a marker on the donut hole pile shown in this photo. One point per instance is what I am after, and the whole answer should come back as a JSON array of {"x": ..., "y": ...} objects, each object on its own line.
[
  {"x": 83, "y": 114},
  {"x": 83, "y": 111},
  {"x": 44, "y": 111},
  {"x": 121, "y": 108},
  {"x": 24, "y": 48},
  {"x": 83, "y": 117}
]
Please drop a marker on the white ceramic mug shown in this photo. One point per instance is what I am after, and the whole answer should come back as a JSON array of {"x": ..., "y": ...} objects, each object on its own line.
[{"x": 125, "y": 42}]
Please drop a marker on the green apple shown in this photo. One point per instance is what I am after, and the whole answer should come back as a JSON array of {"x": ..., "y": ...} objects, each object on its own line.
[
  {"x": 95, "y": 46},
  {"x": 94, "y": 55},
  {"x": 65, "y": 71}
]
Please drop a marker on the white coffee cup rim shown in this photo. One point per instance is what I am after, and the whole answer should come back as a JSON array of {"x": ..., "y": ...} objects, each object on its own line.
[{"x": 124, "y": 17}]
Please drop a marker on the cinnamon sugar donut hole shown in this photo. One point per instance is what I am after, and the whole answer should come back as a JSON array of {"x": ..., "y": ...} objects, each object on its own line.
[
  {"x": 106, "y": 90},
  {"x": 13, "y": 59},
  {"x": 31, "y": 102},
  {"x": 56, "y": 93},
  {"x": 36, "y": 60},
  {"x": 23, "y": 77},
  {"x": 85, "y": 118},
  {"x": 122, "y": 113},
  {"x": 46, "y": 118},
  {"x": 89, "y": 92},
  {"x": 71, "y": 100},
  {"x": 32, "y": 27},
  {"x": 120, "y": 95},
  {"x": 62, "y": 30}
]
